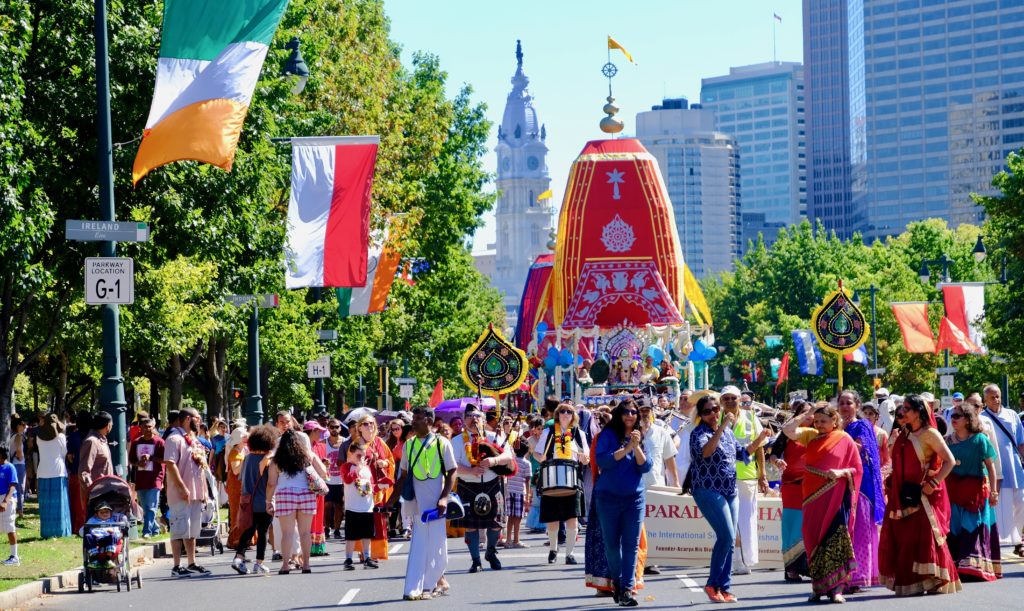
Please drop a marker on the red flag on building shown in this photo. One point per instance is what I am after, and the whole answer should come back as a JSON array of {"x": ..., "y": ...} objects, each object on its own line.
[
  {"x": 437, "y": 397},
  {"x": 783, "y": 371},
  {"x": 953, "y": 338},
  {"x": 914, "y": 325}
]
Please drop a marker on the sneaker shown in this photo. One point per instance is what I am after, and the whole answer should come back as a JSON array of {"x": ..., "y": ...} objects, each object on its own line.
[
  {"x": 12, "y": 561},
  {"x": 713, "y": 594},
  {"x": 109, "y": 564},
  {"x": 349, "y": 565},
  {"x": 337, "y": 534},
  {"x": 569, "y": 559},
  {"x": 552, "y": 555},
  {"x": 728, "y": 597},
  {"x": 198, "y": 570},
  {"x": 371, "y": 564},
  {"x": 276, "y": 557},
  {"x": 652, "y": 570},
  {"x": 180, "y": 571},
  {"x": 239, "y": 565},
  {"x": 259, "y": 569},
  {"x": 740, "y": 569}
]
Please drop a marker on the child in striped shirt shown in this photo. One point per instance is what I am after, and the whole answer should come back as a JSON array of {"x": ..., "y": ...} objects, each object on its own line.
[{"x": 518, "y": 494}]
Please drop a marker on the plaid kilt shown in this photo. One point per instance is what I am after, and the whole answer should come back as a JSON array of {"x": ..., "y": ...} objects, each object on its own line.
[{"x": 294, "y": 501}]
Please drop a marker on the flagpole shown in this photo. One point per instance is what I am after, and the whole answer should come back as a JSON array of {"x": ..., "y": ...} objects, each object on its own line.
[
  {"x": 840, "y": 388},
  {"x": 775, "y": 55}
]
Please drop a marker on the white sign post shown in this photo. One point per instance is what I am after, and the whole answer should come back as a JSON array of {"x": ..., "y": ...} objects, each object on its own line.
[
  {"x": 405, "y": 391},
  {"x": 109, "y": 280},
  {"x": 319, "y": 368}
]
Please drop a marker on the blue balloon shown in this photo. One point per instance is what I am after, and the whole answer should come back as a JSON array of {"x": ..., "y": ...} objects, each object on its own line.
[
  {"x": 656, "y": 354},
  {"x": 542, "y": 327},
  {"x": 700, "y": 352},
  {"x": 565, "y": 358},
  {"x": 579, "y": 360},
  {"x": 708, "y": 353},
  {"x": 550, "y": 362},
  {"x": 553, "y": 353}
]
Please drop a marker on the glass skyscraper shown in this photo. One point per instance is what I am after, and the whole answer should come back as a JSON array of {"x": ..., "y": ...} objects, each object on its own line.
[
  {"x": 762, "y": 106},
  {"x": 934, "y": 101},
  {"x": 700, "y": 167}
]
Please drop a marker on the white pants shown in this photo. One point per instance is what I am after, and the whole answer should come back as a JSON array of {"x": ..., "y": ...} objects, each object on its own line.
[
  {"x": 1010, "y": 514},
  {"x": 428, "y": 556},
  {"x": 746, "y": 493}
]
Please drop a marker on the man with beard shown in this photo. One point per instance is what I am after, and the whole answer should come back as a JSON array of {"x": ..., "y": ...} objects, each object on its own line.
[{"x": 185, "y": 460}]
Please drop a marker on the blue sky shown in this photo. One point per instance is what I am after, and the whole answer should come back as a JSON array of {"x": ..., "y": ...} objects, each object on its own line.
[{"x": 675, "y": 44}]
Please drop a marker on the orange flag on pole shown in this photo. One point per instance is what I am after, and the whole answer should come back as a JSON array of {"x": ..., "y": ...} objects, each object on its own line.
[
  {"x": 437, "y": 397},
  {"x": 917, "y": 331}
]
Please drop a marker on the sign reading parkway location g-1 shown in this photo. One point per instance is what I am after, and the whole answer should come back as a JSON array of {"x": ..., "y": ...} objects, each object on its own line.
[{"x": 109, "y": 280}]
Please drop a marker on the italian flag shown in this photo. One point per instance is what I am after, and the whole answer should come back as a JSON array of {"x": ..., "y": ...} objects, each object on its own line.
[
  {"x": 329, "y": 211},
  {"x": 373, "y": 297},
  {"x": 211, "y": 54}
]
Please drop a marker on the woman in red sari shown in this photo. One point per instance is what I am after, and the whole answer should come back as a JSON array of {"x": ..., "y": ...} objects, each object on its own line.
[
  {"x": 830, "y": 488},
  {"x": 788, "y": 456},
  {"x": 912, "y": 552}
]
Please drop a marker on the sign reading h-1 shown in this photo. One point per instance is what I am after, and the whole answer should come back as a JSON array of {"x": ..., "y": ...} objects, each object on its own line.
[{"x": 106, "y": 231}]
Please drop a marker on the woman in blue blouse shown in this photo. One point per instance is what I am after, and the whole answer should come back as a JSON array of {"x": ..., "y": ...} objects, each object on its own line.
[
  {"x": 620, "y": 495},
  {"x": 714, "y": 451}
]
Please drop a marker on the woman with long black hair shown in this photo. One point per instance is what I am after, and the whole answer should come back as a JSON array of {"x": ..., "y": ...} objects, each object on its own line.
[{"x": 620, "y": 495}]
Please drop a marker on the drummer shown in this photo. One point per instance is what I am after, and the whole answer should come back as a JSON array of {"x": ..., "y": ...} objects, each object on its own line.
[
  {"x": 562, "y": 441},
  {"x": 480, "y": 486}
]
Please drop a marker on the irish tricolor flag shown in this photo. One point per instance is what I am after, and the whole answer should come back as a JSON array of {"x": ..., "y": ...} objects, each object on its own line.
[
  {"x": 329, "y": 211},
  {"x": 373, "y": 297},
  {"x": 211, "y": 54}
]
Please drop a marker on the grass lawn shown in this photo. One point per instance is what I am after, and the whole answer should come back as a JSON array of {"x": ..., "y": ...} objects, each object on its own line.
[{"x": 40, "y": 558}]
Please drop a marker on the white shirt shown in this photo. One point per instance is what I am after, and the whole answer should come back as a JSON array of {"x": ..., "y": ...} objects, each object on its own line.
[
  {"x": 51, "y": 457},
  {"x": 459, "y": 450},
  {"x": 579, "y": 453},
  {"x": 684, "y": 427},
  {"x": 658, "y": 447}
]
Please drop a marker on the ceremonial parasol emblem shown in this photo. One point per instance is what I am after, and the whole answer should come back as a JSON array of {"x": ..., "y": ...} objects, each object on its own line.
[
  {"x": 839, "y": 326},
  {"x": 499, "y": 366}
]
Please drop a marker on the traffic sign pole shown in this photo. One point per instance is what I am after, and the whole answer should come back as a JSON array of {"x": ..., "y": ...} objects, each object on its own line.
[
  {"x": 254, "y": 402},
  {"x": 112, "y": 384}
]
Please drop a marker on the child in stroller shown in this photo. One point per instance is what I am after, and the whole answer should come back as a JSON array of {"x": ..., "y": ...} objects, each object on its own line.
[{"x": 103, "y": 537}]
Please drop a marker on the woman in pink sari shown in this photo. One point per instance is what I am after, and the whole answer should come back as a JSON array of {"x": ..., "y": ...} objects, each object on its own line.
[
  {"x": 830, "y": 488},
  {"x": 913, "y": 557}
]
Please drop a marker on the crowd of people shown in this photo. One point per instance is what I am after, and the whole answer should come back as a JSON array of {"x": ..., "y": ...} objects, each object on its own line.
[{"x": 894, "y": 492}]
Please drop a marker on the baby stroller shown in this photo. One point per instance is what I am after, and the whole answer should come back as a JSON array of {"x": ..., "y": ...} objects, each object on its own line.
[
  {"x": 117, "y": 493},
  {"x": 209, "y": 533}
]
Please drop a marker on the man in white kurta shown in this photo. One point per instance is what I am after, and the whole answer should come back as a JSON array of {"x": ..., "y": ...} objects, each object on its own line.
[{"x": 433, "y": 472}]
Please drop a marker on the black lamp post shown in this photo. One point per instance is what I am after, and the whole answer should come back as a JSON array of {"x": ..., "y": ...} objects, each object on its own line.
[{"x": 295, "y": 66}]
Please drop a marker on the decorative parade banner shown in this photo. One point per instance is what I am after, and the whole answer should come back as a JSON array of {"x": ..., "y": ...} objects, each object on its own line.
[
  {"x": 678, "y": 534},
  {"x": 492, "y": 365},
  {"x": 839, "y": 326}
]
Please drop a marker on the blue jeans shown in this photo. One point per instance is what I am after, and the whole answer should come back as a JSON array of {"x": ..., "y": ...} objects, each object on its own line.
[
  {"x": 722, "y": 513},
  {"x": 150, "y": 501},
  {"x": 20, "y": 469},
  {"x": 621, "y": 519}
]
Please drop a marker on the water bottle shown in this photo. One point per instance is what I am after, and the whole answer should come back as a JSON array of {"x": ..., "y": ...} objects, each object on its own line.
[{"x": 431, "y": 515}]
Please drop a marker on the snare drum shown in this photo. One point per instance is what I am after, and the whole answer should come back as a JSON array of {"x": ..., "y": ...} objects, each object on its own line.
[{"x": 559, "y": 478}]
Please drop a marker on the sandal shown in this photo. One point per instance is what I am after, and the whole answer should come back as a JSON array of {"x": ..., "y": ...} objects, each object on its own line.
[
  {"x": 837, "y": 599},
  {"x": 440, "y": 591}
]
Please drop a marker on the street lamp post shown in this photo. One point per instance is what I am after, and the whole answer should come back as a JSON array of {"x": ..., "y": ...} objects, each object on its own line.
[
  {"x": 926, "y": 277},
  {"x": 254, "y": 402},
  {"x": 872, "y": 291},
  {"x": 112, "y": 384}
]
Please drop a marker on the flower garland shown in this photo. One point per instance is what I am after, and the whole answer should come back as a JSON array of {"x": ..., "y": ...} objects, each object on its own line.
[
  {"x": 472, "y": 449},
  {"x": 563, "y": 439}
]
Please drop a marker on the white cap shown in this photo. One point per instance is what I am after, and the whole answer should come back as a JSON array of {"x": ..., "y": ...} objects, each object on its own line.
[
  {"x": 882, "y": 392},
  {"x": 730, "y": 390}
]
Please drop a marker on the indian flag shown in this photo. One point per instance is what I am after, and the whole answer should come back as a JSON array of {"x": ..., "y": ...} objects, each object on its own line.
[
  {"x": 381, "y": 266},
  {"x": 211, "y": 54}
]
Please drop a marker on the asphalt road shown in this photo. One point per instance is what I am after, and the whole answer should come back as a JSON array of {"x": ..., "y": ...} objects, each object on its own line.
[{"x": 527, "y": 582}]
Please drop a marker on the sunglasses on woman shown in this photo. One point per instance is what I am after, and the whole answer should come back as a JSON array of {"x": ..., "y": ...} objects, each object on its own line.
[
  {"x": 629, "y": 412},
  {"x": 563, "y": 411},
  {"x": 710, "y": 410},
  {"x": 956, "y": 416}
]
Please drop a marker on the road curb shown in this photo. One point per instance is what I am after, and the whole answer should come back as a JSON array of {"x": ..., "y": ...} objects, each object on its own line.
[{"x": 16, "y": 597}]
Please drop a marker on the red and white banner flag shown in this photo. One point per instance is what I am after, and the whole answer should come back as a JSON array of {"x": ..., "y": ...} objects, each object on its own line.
[
  {"x": 953, "y": 339},
  {"x": 965, "y": 307},
  {"x": 329, "y": 211}
]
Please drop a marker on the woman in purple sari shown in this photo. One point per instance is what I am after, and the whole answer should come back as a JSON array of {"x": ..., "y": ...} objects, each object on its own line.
[{"x": 871, "y": 505}]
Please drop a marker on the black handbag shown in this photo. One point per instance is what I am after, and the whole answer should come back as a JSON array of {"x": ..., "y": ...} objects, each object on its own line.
[{"x": 910, "y": 493}]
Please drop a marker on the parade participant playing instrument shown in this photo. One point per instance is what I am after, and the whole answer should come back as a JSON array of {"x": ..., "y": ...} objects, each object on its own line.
[
  {"x": 480, "y": 486},
  {"x": 429, "y": 460},
  {"x": 562, "y": 450}
]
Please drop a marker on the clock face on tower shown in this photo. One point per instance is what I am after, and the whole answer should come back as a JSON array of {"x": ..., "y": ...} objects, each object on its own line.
[{"x": 533, "y": 163}]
